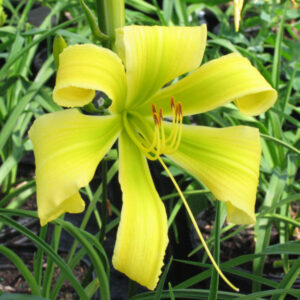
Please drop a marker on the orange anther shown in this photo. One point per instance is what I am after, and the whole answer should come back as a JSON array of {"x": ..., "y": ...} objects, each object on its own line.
[
  {"x": 172, "y": 103},
  {"x": 177, "y": 110},
  {"x": 180, "y": 109},
  {"x": 156, "y": 119},
  {"x": 160, "y": 114},
  {"x": 153, "y": 107}
]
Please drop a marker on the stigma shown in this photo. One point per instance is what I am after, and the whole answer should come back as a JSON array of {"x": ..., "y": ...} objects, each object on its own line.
[{"x": 163, "y": 143}]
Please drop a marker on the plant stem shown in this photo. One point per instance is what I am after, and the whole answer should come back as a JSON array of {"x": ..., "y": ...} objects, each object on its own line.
[{"x": 111, "y": 15}]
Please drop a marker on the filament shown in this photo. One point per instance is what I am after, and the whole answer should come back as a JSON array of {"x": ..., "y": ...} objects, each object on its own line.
[{"x": 157, "y": 141}]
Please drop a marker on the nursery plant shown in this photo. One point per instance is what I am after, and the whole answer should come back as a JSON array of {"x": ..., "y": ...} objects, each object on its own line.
[{"x": 149, "y": 149}]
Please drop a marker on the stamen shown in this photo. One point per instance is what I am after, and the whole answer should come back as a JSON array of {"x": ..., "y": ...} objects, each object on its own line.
[
  {"x": 162, "y": 144},
  {"x": 161, "y": 114},
  {"x": 156, "y": 119},
  {"x": 174, "y": 121},
  {"x": 196, "y": 226},
  {"x": 162, "y": 130},
  {"x": 153, "y": 107},
  {"x": 155, "y": 143},
  {"x": 180, "y": 110},
  {"x": 176, "y": 127},
  {"x": 172, "y": 103}
]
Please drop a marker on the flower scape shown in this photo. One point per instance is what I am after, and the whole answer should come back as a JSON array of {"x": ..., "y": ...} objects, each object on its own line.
[{"x": 146, "y": 117}]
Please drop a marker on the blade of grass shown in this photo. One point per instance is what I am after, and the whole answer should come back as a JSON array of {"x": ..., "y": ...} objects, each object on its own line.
[
  {"x": 280, "y": 142},
  {"x": 263, "y": 226},
  {"x": 181, "y": 11},
  {"x": 13, "y": 296},
  {"x": 38, "y": 261},
  {"x": 214, "y": 282},
  {"x": 91, "y": 207},
  {"x": 44, "y": 74},
  {"x": 17, "y": 191},
  {"x": 288, "y": 248},
  {"x": 159, "y": 13},
  {"x": 162, "y": 280},
  {"x": 8, "y": 64},
  {"x": 168, "y": 10},
  {"x": 186, "y": 294},
  {"x": 142, "y": 6},
  {"x": 17, "y": 261},
  {"x": 277, "y": 50},
  {"x": 275, "y": 124},
  {"x": 281, "y": 218},
  {"x": 288, "y": 280},
  {"x": 92, "y": 287},
  {"x": 265, "y": 294},
  {"x": 96, "y": 262},
  {"x": 284, "y": 210},
  {"x": 48, "y": 250},
  {"x": 49, "y": 272},
  {"x": 24, "y": 15},
  {"x": 172, "y": 297}
]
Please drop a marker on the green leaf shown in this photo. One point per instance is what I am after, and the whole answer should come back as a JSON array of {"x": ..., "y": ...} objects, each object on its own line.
[
  {"x": 13, "y": 159},
  {"x": 278, "y": 141},
  {"x": 168, "y": 9},
  {"x": 93, "y": 24},
  {"x": 288, "y": 279},
  {"x": 5, "y": 84},
  {"x": 292, "y": 247},
  {"x": 17, "y": 261},
  {"x": 44, "y": 74},
  {"x": 59, "y": 45},
  {"x": 47, "y": 249},
  {"x": 28, "y": 188},
  {"x": 263, "y": 226},
  {"x": 20, "y": 297},
  {"x": 24, "y": 50},
  {"x": 162, "y": 281},
  {"x": 209, "y": 2},
  {"x": 96, "y": 261},
  {"x": 255, "y": 296},
  {"x": 142, "y": 6}
]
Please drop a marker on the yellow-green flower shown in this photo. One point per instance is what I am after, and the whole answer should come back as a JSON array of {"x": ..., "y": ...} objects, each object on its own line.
[{"x": 68, "y": 145}]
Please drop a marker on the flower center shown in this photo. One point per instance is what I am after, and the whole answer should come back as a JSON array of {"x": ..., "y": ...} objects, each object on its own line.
[{"x": 164, "y": 138}]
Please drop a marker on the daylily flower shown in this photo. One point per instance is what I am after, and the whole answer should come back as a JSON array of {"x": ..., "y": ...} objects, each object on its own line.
[{"x": 69, "y": 145}]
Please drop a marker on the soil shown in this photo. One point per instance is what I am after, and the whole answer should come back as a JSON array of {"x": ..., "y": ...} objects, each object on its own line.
[
  {"x": 12, "y": 282},
  {"x": 244, "y": 243}
]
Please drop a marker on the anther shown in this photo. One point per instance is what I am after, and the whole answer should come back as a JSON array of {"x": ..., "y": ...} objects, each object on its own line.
[
  {"x": 172, "y": 103},
  {"x": 156, "y": 119},
  {"x": 160, "y": 142},
  {"x": 160, "y": 112},
  {"x": 153, "y": 107},
  {"x": 177, "y": 110},
  {"x": 180, "y": 110}
]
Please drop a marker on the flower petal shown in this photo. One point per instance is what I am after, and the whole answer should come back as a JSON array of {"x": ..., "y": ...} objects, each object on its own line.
[
  {"x": 216, "y": 83},
  {"x": 142, "y": 235},
  {"x": 86, "y": 68},
  {"x": 155, "y": 55},
  {"x": 68, "y": 146},
  {"x": 227, "y": 161}
]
